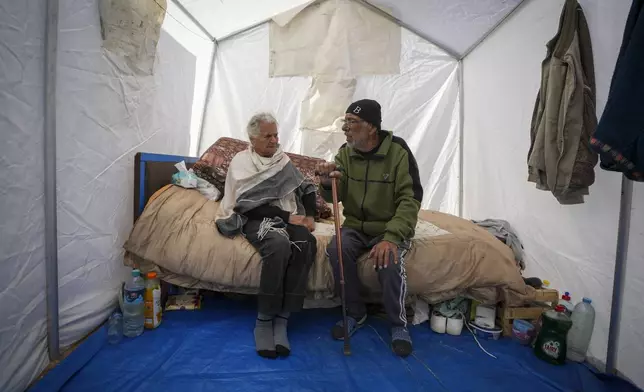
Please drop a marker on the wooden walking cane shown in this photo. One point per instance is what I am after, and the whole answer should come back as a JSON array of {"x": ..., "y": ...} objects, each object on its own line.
[{"x": 338, "y": 238}]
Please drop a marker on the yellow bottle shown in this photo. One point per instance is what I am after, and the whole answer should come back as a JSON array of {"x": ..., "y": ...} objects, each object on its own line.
[{"x": 152, "y": 299}]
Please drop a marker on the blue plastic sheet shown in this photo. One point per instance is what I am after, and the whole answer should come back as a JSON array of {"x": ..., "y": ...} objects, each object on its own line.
[{"x": 212, "y": 349}]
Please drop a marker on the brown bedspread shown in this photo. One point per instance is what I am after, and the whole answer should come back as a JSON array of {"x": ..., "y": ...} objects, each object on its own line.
[{"x": 177, "y": 236}]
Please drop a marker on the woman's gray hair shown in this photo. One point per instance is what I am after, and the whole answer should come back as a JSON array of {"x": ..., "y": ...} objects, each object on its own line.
[{"x": 253, "y": 125}]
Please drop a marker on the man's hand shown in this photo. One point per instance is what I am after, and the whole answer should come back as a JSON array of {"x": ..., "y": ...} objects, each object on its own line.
[
  {"x": 327, "y": 170},
  {"x": 301, "y": 220},
  {"x": 381, "y": 253}
]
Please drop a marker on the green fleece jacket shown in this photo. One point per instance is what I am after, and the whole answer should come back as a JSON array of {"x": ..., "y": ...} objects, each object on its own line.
[{"x": 380, "y": 190}]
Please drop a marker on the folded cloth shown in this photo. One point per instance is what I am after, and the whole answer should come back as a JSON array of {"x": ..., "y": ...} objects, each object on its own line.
[
  {"x": 619, "y": 137},
  {"x": 504, "y": 232}
]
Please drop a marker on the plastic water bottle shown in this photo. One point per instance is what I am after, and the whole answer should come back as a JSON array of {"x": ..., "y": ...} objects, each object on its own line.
[
  {"x": 115, "y": 328},
  {"x": 583, "y": 322},
  {"x": 133, "y": 306}
]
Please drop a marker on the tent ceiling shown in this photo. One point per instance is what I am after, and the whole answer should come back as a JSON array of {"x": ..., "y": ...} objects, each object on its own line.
[
  {"x": 455, "y": 25},
  {"x": 224, "y": 17}
]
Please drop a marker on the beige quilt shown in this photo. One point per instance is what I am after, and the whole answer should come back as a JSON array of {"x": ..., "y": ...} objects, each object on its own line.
[{"x": 176, "y": 236}]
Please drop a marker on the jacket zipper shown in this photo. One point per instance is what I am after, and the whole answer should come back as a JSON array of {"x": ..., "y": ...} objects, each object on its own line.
[{"x": 364, "y": 196}]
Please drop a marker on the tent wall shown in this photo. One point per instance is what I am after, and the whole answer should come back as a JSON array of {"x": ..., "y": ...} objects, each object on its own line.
[
  {"x": 242, "y": 87},
  {"x": 23, "y": 335},
  {"x": 572, "y": 246},
  {"x": 106, "y": 114},
  {"x": 424, "y": 108},
  {"x": 179, "y": 26}
]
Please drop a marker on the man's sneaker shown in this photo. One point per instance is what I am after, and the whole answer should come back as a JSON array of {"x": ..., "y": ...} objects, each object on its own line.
[
  {"x": 401, "y": 341},
  {"x": 338, "y": 329}
]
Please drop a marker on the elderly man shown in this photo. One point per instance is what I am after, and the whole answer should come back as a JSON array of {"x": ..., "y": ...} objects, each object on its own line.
[
  {"x": 269, "y": 201},
  {"x": 380, "y": 191}
]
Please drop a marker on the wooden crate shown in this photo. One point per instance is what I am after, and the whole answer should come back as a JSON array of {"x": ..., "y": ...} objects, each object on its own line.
[
  {"x": 547, "y": 295},
  {"x": 545, "y": 299}
]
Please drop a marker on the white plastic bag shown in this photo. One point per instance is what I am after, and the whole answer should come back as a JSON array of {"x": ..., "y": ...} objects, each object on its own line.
[
  {"x": 188, "y": 179},
  {"x": 185, "y": 178},
  {"x": 421, "y": 311},
  {"x": 207, "y": 189}
]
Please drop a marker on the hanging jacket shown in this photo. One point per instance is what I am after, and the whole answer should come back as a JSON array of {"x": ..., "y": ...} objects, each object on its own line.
[
  {"x": 619, "y": 138},
  {"x": 560, "y": 159},
  {"x": 380, "y": 191}
]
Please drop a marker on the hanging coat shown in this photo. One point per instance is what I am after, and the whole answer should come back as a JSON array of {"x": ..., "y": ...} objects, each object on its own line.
[
  {"x": 619, "y": 138},
  {"x": 560, "y": 159}
]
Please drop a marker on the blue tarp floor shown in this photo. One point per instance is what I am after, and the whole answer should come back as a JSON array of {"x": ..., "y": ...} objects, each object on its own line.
[{"x": 212, "y": 349}]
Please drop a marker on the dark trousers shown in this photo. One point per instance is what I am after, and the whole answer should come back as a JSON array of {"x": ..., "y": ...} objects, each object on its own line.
[
  {"x": 285, "y": 266},
  {"x": 393, "y": 279}
]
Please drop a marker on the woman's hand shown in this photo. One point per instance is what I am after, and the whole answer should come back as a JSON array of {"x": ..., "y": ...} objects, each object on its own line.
[{"x": 301, "y": 220}]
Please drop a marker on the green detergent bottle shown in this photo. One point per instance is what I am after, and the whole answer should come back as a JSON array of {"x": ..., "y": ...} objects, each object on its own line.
[{"x": 551, "y": 341}]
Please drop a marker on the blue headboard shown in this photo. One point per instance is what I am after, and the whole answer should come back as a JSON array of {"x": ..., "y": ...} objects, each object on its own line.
[{"x": 151, "y": 173}]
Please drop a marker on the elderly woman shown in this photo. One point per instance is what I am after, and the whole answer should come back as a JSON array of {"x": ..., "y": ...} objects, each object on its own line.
[{"x": 269, "y": 201}]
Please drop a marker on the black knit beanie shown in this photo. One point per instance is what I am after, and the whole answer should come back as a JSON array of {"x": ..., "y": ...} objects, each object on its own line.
[{"x": 368, "y": 110}]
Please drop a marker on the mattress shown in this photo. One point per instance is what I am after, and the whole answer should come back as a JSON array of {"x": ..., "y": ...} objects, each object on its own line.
[{"x": 176, "y": 236}]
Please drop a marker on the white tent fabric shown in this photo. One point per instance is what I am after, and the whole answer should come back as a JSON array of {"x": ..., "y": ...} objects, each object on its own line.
[
  {"x": 455, "y": 25},
  {"x": 23, "y": 334},
  {"x": 178, "y": 26},
  {"x": 573, "y": 247},
  {"x": 424, "y": 108},
  {"x": 106, "y": 113}
]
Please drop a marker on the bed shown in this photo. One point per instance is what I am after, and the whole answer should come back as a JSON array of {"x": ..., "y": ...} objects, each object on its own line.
[{"x": 175, "y": 235}]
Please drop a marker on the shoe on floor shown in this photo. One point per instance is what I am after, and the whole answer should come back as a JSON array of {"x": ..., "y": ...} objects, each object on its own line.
[
  {"x": 338, "y": 329},
  {"x": 401, "y": 341}
]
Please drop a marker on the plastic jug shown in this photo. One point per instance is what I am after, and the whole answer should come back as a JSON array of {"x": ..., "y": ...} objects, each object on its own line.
[
  {"x": 551, "y": 343},
  {"x": 583, "y": 322}
]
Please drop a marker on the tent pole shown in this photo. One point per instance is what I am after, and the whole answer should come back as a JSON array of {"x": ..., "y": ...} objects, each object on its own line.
[
  {"x": 408, "y": 27},
  {"x": 493, "y": 29},
  {"x": 51, "y": 224},
  {"x": 194, "y": 20},
  {"x": 461, "y": 128},
  {"x": 623, "y": 229},
  {"x": 211, "y": 77}
]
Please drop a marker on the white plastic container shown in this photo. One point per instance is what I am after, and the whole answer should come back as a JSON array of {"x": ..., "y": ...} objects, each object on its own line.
[
  {"x": 583, "y": 322},
  {"x": 485, "y": 316},
  {"x": 486, "y": 333},
  {"x": 454, "y": 325},
  {"x": 438, "y": 322}
]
